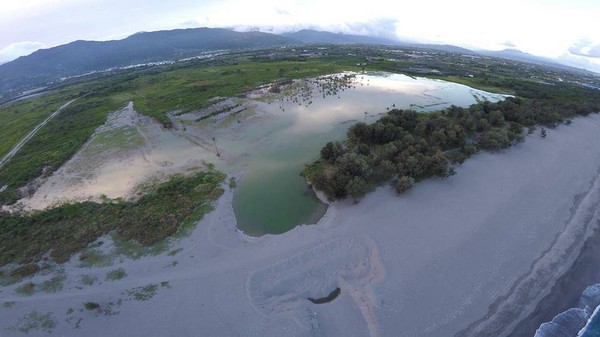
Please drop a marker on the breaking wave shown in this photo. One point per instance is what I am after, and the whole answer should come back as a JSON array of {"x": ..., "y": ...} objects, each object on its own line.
[{"x": 582, "y": 321}]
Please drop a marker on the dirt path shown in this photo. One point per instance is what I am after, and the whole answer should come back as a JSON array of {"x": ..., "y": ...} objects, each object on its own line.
[{"x": 30, "y": 135}]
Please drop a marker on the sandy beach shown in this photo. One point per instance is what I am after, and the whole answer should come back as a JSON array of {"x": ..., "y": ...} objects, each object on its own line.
[{"x": 470, "y": 256}]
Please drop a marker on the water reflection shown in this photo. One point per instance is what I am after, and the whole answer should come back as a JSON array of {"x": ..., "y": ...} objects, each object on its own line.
[{"x": 271, "y": 196}]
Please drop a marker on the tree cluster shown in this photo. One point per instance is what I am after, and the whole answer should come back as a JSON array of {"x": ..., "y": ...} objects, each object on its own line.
[{"x": 405, "y": 146}]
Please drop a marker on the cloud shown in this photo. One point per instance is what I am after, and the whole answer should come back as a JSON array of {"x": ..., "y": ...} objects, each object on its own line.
[
  {"x": 378, "y": 27},
  {"x": 585, "y": 48},
  {"x": 509, "y": 44},
  {"x": 17, "y": 49},
  {"x": 283, "y": 12},
  {"x": 584, "y": 62},
  {"x": 190, "y": 24}
]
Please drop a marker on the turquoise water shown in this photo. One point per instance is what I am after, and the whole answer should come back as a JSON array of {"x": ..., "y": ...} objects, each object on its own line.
[{"x": 271, "y": 151}]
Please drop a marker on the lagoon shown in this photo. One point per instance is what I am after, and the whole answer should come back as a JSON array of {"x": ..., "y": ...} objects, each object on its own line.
[{"x": 271, "y": 197}]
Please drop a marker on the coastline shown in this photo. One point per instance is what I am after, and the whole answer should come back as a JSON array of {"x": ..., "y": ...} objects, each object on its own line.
[
  {"x": 448, "y": 248},
  {"x": 567, "y": 290}
]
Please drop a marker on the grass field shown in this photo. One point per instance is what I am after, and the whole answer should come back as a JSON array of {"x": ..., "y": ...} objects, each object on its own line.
[{"x": 18, "y": 118}]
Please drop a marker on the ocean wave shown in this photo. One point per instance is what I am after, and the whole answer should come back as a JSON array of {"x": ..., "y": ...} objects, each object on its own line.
[{"x": 575, "y": 321}]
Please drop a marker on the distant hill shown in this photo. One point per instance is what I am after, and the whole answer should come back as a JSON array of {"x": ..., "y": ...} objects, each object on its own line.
[
  {"x": 440, "y": 47},
  {"x": 309, "y": 36},
  {"x": 517, "y": 55},
  {"x": 319, "y": 37},
  {"x": 84, "y": 56},
  {"x": 81, "y": 57}
]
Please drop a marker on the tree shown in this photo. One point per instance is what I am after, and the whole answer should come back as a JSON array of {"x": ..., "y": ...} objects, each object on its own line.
[
  {"x": 332, "y": 150},
  {"x": 439, "y": 166},
  {"x": 355, "y": 164},
  {"x": 404, "y": 184},
  {"x": 515, "y": 133},
  {"x": 356, "y": 188},
  {"x": 496, "y": 118},
  {"x": 359, "y": 133},
  {"x": 494, "y": 140}
]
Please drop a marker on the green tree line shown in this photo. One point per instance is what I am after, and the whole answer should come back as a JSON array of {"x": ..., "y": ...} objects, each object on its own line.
[{"x": 405, "y": 146}]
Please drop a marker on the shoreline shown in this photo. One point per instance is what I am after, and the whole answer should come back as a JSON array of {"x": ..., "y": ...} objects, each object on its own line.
[
  {"x": 567, "y": 290},
  {"x": 426, "y": 263}
]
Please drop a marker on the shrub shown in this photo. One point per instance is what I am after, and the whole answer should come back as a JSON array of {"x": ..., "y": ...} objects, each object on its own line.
[
  {"x": 24, "y": 271},
  {"x": 404, "y": 184},
  {"x": 356, "y": 188},
  {"x": 91, "y": 306},
  {"x": 116, "y": 274}
]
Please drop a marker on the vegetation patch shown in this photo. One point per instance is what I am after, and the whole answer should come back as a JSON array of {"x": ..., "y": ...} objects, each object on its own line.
[
  {"x": 232, "y": 182},
  {"x": 91, "y": 306},
  {"x": 88, "y": 280},
  {"x": 18, "y": 274},
  {"x": 54, "y": 284},
  {"x": 143, "y": 293},
  {"x": 94, "y": 258},
  {"x": 106, "y": 309},
  {"x": 35, "y": 321},
  {"x": 26, "y": 289},
  {"x": 116, "y": 274},
  {"x": 135, "y": 250},
  {"x": 172, "y": 264},
  {"x": 25, "y": 270},
  {"x": 175, "y": 251},
  {"x": 69, "y": 228},
  {"x": 8, "y": 304}
]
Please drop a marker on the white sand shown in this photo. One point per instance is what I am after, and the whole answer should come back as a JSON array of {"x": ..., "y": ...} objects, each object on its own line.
[{"x": 429, "y": 263}]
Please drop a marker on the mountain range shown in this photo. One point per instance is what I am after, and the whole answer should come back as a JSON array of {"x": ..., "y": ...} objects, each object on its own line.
[{"x": 80, "y": 57}]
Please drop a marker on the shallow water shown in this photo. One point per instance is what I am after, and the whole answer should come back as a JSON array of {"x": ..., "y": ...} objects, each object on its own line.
[{"x": 271, "y": 197}]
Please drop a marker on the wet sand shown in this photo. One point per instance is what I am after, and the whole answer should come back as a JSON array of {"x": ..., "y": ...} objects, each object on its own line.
[{"x": 566, "y": 292}]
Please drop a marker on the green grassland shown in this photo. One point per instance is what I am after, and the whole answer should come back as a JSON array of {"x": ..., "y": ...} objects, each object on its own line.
[{"x": 20, "y": 117}]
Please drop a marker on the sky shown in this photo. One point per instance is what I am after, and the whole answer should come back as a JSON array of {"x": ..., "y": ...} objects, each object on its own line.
[{"x": 562, "y": 29}]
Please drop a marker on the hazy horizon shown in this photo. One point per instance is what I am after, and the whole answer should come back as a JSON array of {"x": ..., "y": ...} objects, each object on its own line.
[{"x": 558, "y": 29}]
